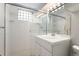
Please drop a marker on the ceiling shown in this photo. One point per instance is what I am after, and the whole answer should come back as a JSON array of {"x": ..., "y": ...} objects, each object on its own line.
[
  {"x": 33, "y": 6},
  {"x": 73, "y": 7},
  {"x": 36, "y": 7}
]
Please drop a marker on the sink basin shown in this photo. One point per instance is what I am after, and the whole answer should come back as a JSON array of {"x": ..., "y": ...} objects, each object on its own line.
[{"x": 56, "y": 38}]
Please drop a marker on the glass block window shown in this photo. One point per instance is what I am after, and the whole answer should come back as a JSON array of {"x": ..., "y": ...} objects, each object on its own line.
[{"x": 24, "y": 15}]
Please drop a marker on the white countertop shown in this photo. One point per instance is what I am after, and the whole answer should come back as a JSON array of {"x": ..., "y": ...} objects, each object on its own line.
[{"x": 56, "y": 38}]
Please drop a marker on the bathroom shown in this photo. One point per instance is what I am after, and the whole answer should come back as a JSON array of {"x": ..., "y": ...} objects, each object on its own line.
[{"x": 39, "y": 29}]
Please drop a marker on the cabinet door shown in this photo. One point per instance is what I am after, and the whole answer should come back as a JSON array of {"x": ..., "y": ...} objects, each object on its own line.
[
  {"x": 1, "y": 41},
  {"x": 44, "y": 52},
  {"x": 37, "y": 49},
  {"x": 61, "y": 50},
  {"x": 1, "y": 14}
]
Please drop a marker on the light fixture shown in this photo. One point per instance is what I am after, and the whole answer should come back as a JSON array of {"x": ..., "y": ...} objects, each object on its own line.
[
  {"x": 56, "y": 9},
  {"x": 50, "y": 7},
  {"x": 59, "y": 8},
  {"x": 54, "y": 6},
  {"x": 58, "y": 4},
  {"x": 53, "y": 11}
]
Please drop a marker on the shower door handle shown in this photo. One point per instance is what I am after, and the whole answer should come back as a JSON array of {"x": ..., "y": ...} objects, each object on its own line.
[
  {"x": 2, "y": 27},
  {"x": 0, "y": 55},
  {"x": 11, "y": 21}
]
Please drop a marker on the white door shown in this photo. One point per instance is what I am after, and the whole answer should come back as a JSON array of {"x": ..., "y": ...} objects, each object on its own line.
[
  {"x": 1, "y": 29},
  {"x": 18, "y": 42},
  {"x": 1, "y": 41},
  {"x": 1, "y": 14}
]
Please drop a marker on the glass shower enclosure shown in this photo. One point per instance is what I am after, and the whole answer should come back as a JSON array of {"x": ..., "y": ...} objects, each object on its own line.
[{"x": 55, "y": 22}]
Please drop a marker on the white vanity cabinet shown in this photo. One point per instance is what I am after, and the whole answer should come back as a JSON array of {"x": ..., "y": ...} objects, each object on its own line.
[
  {"x": 47, "y": 47},
  {"x": 41, "y": 50},
  {"x": 44, "y": 52}
]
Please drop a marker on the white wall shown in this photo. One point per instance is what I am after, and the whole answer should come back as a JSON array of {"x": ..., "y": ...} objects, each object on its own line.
[
  {"x": 73, "y": 11},
  {"x": 75, "y": 28}
]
